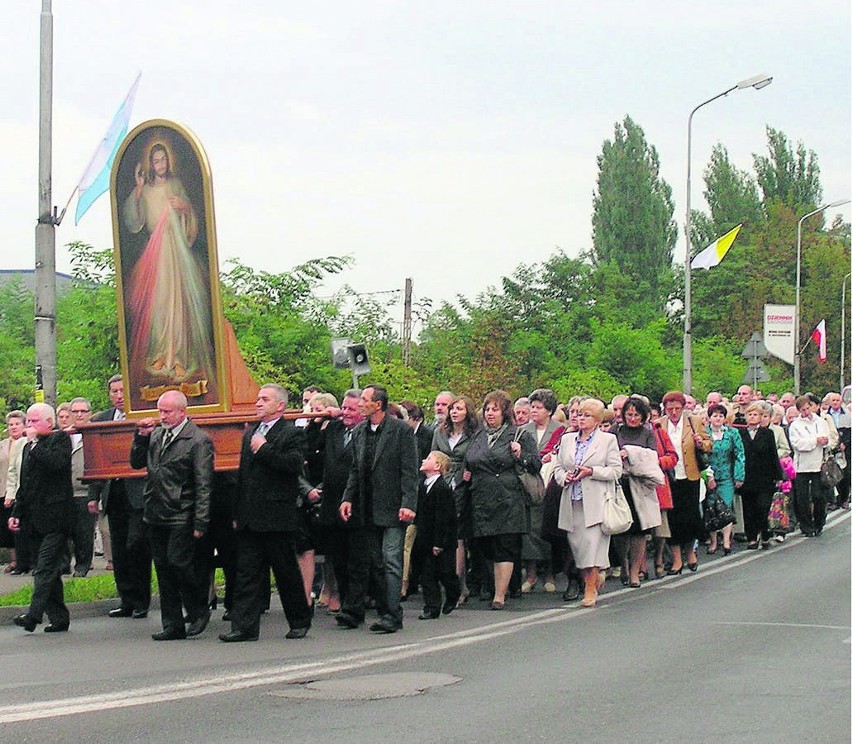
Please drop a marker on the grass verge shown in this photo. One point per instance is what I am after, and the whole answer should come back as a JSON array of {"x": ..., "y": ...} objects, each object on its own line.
[{"x": 88, "y": 589}]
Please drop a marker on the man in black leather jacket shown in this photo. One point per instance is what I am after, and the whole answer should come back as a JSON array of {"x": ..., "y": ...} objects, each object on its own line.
[{"x": 179, "y": 459}]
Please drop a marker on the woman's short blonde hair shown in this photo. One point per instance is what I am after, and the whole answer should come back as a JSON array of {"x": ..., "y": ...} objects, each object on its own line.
[
  {"x": 324, "y": 399},
  {"x": 593, "y": 406}
]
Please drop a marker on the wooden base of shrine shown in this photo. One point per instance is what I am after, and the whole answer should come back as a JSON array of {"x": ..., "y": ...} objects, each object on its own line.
[{"x": 106, "y": 444}]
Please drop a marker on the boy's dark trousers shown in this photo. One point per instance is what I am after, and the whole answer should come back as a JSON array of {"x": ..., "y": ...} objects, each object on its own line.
[{"x": 436, "y": 571}]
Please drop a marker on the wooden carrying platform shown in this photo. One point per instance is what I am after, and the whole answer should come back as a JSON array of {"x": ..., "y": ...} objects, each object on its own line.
[{"x": 106, "y": 444}]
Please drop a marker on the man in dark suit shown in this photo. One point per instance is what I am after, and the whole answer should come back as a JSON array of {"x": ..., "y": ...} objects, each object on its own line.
[
  {"x": 45, "y": 503},
  {"x": 123, "y": 503},
  {"x": 380, "y": 500},
  {"x": 266, "y": 520},
  {"x": 179, "y": 460}
]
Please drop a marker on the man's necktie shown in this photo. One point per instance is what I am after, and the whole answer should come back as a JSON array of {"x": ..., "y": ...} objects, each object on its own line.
[
  {"x": 262, "y": 429},
  {"x": 167, "y": 439},
  {"x": 347, "y": 438}
]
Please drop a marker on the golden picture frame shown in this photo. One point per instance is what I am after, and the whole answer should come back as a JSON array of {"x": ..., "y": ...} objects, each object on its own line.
[{"x": 170, "y": 321}]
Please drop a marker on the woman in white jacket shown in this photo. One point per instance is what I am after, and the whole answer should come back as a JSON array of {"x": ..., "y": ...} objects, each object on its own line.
[
  {"x": 809, "y": 439},
  {"x": 587, "y": 467}
]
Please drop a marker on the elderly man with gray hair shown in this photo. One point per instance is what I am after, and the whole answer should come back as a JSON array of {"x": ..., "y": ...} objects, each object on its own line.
[{"x": 45, "y": 503}]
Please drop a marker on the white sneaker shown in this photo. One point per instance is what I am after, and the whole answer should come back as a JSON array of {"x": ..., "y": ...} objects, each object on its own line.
[{"x": 780, "y": 538}]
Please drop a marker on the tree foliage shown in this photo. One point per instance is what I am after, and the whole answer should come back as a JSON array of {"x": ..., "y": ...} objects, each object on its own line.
[
  {"x": 632, "y": 225},
  {"x": 601, "y": 323},
  {"x": 732, "y": 197},
  {"x": 787, "y": 175}
]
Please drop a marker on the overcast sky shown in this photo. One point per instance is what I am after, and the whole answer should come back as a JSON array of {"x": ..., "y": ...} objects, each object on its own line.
[{"x": 442, "y": 141}]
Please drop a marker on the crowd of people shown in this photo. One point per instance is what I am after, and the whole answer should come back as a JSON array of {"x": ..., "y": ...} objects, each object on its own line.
[{"x": 392, "y": 508}]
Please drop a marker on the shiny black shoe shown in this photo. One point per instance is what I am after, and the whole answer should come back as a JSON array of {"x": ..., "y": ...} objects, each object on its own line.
[
  {"x": 572, "y": 593},
  {"x": 139, "y": 614},
  {"x": 169, "y": 635},
  {"x": 346, "y": 620},
  {"x": 121, "y": 612},
  {"x": 296, "y": 633},
  {"x": 197, "y": 626},
  {"x": 672, "y": 572},
  {"x": 237, "y": 636},
  {"x": 226, "y": 615},
  {"x": 56, "y": 627},
  {"x": 26, "y": 622},
  {"x": 449, "y": 606},
  {"x": 427, "y": 615},
  {"x": 692, "y": 566},
  {"x": 385, "y": 625}
]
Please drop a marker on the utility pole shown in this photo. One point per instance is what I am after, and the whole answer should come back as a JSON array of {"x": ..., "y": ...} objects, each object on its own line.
[
  {"x": 45, "y": 235},
  {"x": 406, "y": 325}
]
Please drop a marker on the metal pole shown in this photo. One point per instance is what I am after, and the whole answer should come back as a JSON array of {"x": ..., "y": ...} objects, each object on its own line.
[
  {"x": 757, "y": 82},
  {"x": 687, "y": 270},
  {"x": 45, "y": 236},
  {"x": 843, "y": 330},
  {"x": 797, "y": 359},
  {"x": 406, "y": 325}
]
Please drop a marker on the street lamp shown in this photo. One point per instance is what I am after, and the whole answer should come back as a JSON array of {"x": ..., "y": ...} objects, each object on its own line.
[
  {"x": 757, "y": 82},
  {"x": 797, "y": 360},
  {"x": 843, "y": 332}
]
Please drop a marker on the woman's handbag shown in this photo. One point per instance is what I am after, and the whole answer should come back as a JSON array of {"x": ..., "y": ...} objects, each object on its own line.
[
  {"x": 533, "y": 483},
  {"x": 717, "y": 514},
  {"x": 779, "y": 519},
  {"x": 830, "y": 474},
  {"x": 701, "y": 457},
  {"x": 616, "y": 513}
]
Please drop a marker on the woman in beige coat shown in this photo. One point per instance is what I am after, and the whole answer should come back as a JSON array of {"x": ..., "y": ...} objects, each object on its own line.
[{"x": 587, "y": 467}]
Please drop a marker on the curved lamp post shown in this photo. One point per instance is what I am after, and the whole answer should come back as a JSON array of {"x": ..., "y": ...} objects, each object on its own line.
[
  {"x": 757, "y": 82},
  {"x": 797, "y": 359}
]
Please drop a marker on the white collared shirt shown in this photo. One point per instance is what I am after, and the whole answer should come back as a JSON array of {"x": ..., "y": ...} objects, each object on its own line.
[
  {"x": 178, "y": 428},
  {"x": 431, "y": 480},
  {"x": 675, "y": 432}
]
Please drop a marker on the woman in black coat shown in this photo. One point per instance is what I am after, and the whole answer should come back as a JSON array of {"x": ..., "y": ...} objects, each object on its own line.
[
  {"x": 762, "y": 473},
  {"x": 498, "y": 498},
  {"x": 452, "y": 437}
]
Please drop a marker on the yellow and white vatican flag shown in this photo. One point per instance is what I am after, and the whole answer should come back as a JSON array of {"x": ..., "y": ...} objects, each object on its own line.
[{"x": 713, "y": 254}]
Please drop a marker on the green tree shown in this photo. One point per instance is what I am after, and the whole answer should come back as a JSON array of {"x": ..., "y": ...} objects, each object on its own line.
[
  {"x": 17, "y": 350},
  {"x": 632, "y": 223},
  {"x": 732, "y": 197},
  {"x": 283, "y": 332},
  {"x": 787, "y": 175}
]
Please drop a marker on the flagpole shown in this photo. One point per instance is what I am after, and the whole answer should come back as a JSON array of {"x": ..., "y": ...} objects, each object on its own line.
[
  {"x": 45, "y": 235},
  {"x": 67, "y": 204}
]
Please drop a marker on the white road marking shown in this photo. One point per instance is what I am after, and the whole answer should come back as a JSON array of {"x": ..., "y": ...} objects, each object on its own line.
[{"x": 784, "y": 625}]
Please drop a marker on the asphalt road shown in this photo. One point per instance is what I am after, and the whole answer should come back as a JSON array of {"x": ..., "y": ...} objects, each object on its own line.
[{"x": 753, "y": 647}]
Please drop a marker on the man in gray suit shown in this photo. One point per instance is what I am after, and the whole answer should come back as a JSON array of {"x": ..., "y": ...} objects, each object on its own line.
[
  {"x": 179, "y": 460},
  {"x": 379, "y": 501}
]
